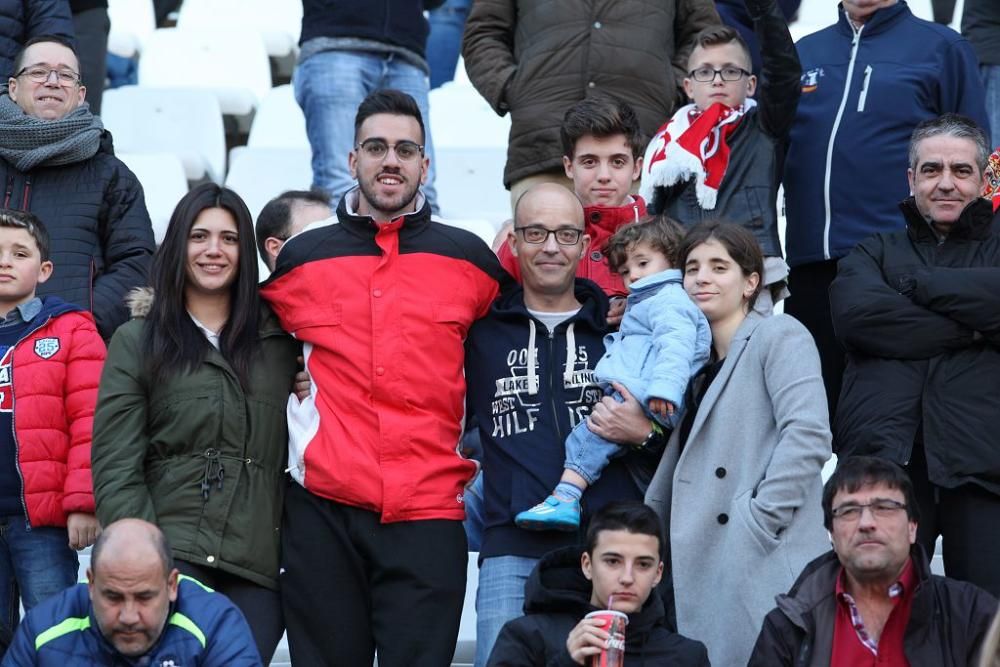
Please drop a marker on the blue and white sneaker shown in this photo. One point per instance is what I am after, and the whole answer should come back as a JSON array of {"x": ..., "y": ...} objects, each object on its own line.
[{"x": 551, "y": 514}]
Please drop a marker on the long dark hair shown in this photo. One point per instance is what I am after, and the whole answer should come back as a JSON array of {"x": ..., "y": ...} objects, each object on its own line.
[
  {"x": 172, "y": 342},
  {"x": 738, "y": 242}
]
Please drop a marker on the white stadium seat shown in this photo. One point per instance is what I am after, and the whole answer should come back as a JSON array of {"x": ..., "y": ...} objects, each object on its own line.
[
  {"x": 163, "y": 183},
  {"x": 132, "y": 21},
  {"x": 279, "y": 122},
  {"x": 278, "y": 22},
  {"x": 470, "y": 183},
  {"x": 185, "y": 122},
  {"x": 231, "y": 63},
  {"x": 260, "y": 174}
]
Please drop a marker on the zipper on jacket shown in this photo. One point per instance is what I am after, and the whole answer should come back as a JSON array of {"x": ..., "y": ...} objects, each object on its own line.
[
  {"x": 552, "y": 389},
  {"x": 13, "y": 428},
  {"x": 864, "y": 89},
  {"x": 833, "y": 138},
  {"x": 26, "y": 194},
  {"x": 10, "y": 189}
]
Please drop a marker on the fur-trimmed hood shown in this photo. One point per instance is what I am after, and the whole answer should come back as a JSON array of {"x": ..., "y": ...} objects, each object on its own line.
[{"x": 139, "y": 301}]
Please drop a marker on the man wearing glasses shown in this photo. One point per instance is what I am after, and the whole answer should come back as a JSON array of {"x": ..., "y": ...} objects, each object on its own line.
[
  {"x": 530, "y": 367},
  {"x": 373, "y": 550},
  {"x": 57, "y": 161},
  {"x": 872, "y": 599}
]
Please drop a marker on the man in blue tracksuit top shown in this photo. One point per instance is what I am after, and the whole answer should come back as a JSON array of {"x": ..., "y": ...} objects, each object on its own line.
[
  {"x": 135, "y": 610},
  {"x": 867, "y": 81},
  {"x": 529, "y": 365}
]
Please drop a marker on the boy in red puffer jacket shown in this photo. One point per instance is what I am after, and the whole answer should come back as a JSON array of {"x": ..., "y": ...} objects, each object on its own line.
[{"x": 50, "y": 365}]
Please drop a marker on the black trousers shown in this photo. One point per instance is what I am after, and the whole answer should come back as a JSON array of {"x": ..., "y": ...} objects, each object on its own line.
[
  {"x": 809, "y": 303},
  {"x": 968, "y": 520},
  {"x": 261, "y": 606},
  {"x": 351, "y": 584}
]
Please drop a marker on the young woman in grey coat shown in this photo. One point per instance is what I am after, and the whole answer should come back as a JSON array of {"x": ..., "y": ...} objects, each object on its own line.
[{"x": 739, "y": 484}]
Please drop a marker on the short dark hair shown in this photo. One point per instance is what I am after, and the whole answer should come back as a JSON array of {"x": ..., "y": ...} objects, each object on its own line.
[
  {"x": 856, "y": 472},
  {"x": 275, "y": 218},
  {"x": 601, "y": 116},
  {"x": 659, "y": 231},
  {"x": 31, "y": 224},
  {"x": 157, "y": 537},
  {"x": 38, "y": 39},
  {"x": 718, "y": 35},
  {"x": 738, "y": 242},
  {"x": 951, "y": 125},
  {"x": 631, "y": 516},
  {"x": 391, "y": 101}
]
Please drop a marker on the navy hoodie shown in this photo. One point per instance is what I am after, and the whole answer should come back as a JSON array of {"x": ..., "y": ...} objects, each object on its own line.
[{"x": 525, "y": 411}]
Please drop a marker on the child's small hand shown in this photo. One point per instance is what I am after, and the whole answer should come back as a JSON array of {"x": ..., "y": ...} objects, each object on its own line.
[
  {"x": 616, "y": 311},
  {"x": 662, "y": 408},
  {"x": 83, "y": 529}
]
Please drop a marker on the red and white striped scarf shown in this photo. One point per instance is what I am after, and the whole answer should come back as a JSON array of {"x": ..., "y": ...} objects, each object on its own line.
[{"x": 692, "y": 144}]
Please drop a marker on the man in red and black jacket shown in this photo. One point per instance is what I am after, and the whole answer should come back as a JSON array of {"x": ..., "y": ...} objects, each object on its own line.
[{"x": 382, "y": 302}]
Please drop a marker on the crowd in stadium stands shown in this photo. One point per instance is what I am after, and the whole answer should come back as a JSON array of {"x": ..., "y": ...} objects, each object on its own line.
[{"x": 654, "y": 379}]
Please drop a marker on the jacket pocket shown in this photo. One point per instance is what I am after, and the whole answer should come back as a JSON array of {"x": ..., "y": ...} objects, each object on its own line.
[
  {"x": 324, "y": 315},
  {"x": 744, "y": 510},
  {"x": 865, "y": 87}
]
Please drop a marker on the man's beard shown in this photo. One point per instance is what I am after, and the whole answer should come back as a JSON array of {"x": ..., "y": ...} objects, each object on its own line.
[{"x": 388, "y": 205}]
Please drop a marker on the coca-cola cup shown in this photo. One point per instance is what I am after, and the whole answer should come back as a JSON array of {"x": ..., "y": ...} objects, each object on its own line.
[{"x": 614, "y": 622}]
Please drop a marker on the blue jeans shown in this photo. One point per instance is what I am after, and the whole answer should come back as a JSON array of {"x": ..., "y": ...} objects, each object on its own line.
[
  {"x": 329, "y": 86},
  {"x": 474, "y": 513},
  {"x": 444, "y": 43},
  {"x": 991, "y": 82},
  {"x": 38, "y": 563},
  {"x": 499, "y": 598}
]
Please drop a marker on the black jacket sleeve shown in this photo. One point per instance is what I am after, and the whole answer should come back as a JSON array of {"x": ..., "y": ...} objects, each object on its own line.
[
  {"x": 777, "y": 642},
  {"x": 780, "y": 77},
  {"x": 871, "y": 317},
  {"x": 127, "y": 245},
  {"x": 522, "y": 643},
  {"x": 970, "y": 296}
]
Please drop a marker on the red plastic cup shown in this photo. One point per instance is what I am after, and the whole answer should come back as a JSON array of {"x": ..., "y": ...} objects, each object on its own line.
[{"x": 614, "y": 623}]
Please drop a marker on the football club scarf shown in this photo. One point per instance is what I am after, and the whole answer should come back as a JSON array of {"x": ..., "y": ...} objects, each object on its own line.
[{"x": 692, "y": 144}]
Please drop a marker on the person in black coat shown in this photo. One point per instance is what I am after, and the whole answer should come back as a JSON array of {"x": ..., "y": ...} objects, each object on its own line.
[
  {"x": 918, "y": 311},
  {"x": 618, "y": 570},
  {"x": 58, "y": 162},
  {"x": 21, "y": 21}
]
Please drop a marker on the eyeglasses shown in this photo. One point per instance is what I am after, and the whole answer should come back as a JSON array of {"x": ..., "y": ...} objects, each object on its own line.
[
  {"x": 41, "y": 75},
  {"x": 377, "y": 149},
  {"x": 538, "y": 234},
  {"x": 880, "y": 509},
  {"x": 707, "y": 74}
]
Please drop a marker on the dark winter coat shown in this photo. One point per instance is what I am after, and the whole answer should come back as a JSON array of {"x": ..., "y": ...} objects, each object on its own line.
[
  {"x": 920, "y": 318},
  {"x": 397, "y": 22},
  {"x": 557, "y": 597},
  {"x": 101, "y": 238},
  {"x": 20, "y": 20},
  {"x": 948, "y": 619},
  {"x": 536, "y": 58},
  {"x": 196, "y": 454}
]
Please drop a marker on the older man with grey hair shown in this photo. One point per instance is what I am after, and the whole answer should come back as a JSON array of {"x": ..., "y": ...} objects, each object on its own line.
[{"x": 918, "y": 311}]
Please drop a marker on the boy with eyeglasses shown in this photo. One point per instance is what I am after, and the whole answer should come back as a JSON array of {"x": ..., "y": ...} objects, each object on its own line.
[
  {"x": 663, "y": 340},
  {"x": 721, "y": 156}
]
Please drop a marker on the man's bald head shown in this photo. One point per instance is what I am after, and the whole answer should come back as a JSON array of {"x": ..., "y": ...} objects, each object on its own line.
[
  {"x": 133, "y": 540},
  {"x": 550, "y": 195}
]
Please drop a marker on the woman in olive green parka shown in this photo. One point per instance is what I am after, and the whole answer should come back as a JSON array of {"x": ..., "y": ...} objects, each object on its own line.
[{"x": 190, "y": 430}]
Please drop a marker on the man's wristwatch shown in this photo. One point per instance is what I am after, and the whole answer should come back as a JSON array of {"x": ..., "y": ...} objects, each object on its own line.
[{"x": 655, "y": 434}]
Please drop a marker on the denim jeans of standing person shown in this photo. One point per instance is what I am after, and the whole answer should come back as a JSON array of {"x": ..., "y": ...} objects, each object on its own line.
[
  {"x": 991, "y": 83},
  {"x": 329, "y": 86},
  {"x": 499, "y": 598},
  {"x": 445, "y": 40},
  {"x": 36, "y": 563}
]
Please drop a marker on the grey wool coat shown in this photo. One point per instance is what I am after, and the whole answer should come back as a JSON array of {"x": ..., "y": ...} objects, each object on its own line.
[{"x": 741, "y": 503}]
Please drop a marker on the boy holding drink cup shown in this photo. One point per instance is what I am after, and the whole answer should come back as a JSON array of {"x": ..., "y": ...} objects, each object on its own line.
[{"x": 571, "y": 600}]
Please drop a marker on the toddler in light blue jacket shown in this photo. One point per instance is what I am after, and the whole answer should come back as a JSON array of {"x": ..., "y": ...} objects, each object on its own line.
[{"x": 662, "y": 342}]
